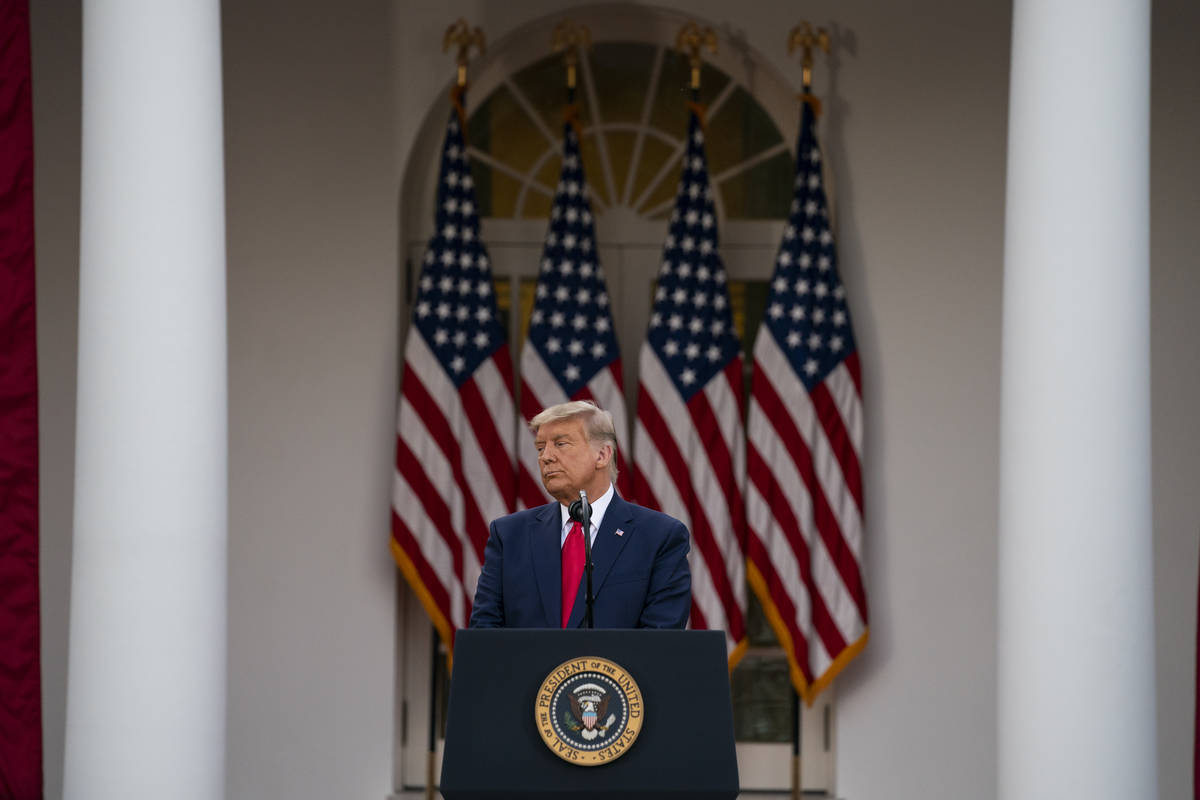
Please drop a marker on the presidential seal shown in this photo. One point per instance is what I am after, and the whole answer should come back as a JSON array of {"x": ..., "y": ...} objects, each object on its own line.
[{"x": 589, "y": 711}]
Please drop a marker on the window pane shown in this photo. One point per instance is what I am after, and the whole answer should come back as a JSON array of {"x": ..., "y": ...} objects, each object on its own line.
[
  {"x": 758, "y": 629},
  {"x": 544, "y": 85},
  {"x": 500, "y": 197},
  {"x": 665, "y": 191},
  {"x": 503, "y": 295},
  {"x": 747, "y": 303},
  {"x": 654, "y": 153},
  {"x": 550, "y": 172},
  {"x": 501, "y": 128},
  {"x": 740, "y": 129},
  {"x": 762, "y": 699},
  {"x": 620, "y": 153},
  {"x": 526, "y": 290},
  {"x": 670, "y": 100},
  {"x": 620, "y": 72},
  {"x": 537, "y": 205},
  {"x": 762, "y": 192},
  {"x": 593, "y": 168}
]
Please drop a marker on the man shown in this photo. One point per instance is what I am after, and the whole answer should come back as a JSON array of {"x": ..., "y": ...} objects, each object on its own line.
[{"x": 533, "y": 564}]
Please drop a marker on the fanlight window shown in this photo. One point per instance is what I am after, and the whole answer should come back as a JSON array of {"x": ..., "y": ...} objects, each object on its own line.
[{"x": 633, "y": 109}]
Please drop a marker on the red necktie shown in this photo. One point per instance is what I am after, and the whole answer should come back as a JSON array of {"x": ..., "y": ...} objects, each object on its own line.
[{"x": 572, "y": 569}]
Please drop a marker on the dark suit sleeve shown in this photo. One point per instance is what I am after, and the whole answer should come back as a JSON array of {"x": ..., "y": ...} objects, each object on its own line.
[
  {"x": 487, "y": 610},
  {"x": 669, "y": 595}
]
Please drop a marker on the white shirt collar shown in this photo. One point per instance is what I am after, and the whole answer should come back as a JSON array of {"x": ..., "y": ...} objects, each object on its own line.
[{"x": 599, "y": 506}]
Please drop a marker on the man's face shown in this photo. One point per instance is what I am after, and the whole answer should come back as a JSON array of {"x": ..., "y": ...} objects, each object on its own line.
[{"x": 569, "y": 462}]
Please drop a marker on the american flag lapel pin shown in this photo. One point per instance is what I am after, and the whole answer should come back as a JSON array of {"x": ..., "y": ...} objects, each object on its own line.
[{"x": 620, "y": 532}]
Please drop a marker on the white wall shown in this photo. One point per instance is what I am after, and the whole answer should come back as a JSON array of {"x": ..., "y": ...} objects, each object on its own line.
[
  {"x": 311, "y": 172},
  {"x": 324, "y": 102}
]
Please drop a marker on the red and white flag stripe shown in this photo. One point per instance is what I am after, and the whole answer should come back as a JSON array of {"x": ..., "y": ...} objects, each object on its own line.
[
  {"x": 804, "y": 510},
  {"x": 689, "y": 463},
  {"x": 454, "y": 474}
]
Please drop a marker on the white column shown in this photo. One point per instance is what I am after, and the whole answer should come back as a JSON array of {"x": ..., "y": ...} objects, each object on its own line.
[
  {"x": 146, "y": 683},
  {"x": 1076, "y": 624}
]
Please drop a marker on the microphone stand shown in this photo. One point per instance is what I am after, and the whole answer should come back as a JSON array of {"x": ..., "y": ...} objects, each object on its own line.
[{"x": 586, "y": 513}]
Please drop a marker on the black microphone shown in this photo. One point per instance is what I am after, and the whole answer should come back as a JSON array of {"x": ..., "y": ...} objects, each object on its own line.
[
  {"x": 581, "y": 511},
  {"x": 576, "y": 510}
]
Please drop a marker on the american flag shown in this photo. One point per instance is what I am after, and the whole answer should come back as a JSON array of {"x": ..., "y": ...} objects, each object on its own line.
[
  {"x": 455, "y": 462},
  {"x": 689, "y": 442},
  {"x": 571, "y": 352},
  {"x": 804, "y": 496}
]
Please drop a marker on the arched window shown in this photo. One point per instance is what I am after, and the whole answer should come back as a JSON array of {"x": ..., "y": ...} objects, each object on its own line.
[
  {"x": 634, "y": 116},
  {"x": 633, "y": 109}
]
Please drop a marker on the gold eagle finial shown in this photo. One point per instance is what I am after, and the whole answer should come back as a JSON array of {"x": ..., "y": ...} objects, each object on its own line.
[
  {"x": 461, "y": 34},
  {"x": 805, "y": 37},
  {"x": 691, "y": 40},
  {"x": 569, "y": 38}
]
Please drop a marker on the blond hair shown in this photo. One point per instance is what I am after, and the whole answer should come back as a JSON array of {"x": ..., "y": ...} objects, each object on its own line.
[{"x": 597, "y": 425}]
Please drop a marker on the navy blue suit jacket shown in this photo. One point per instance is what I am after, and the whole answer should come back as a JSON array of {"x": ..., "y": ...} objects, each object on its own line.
[{"x": 640, "y": 577}]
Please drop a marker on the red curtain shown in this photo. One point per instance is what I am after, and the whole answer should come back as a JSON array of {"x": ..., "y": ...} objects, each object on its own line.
[{"x": 20, "y": 664}]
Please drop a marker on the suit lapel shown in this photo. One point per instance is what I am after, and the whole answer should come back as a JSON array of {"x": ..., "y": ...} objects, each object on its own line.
[
  {"x": 546, "y": 546},
  {"x": 605, "y": 551}
]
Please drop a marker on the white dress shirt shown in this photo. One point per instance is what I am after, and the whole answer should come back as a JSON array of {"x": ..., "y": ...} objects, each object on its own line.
[{"x": 599, "y": 506}]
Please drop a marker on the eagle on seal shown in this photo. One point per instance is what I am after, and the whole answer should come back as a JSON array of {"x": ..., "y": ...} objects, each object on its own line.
[{"x": 589, "y": 704}]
